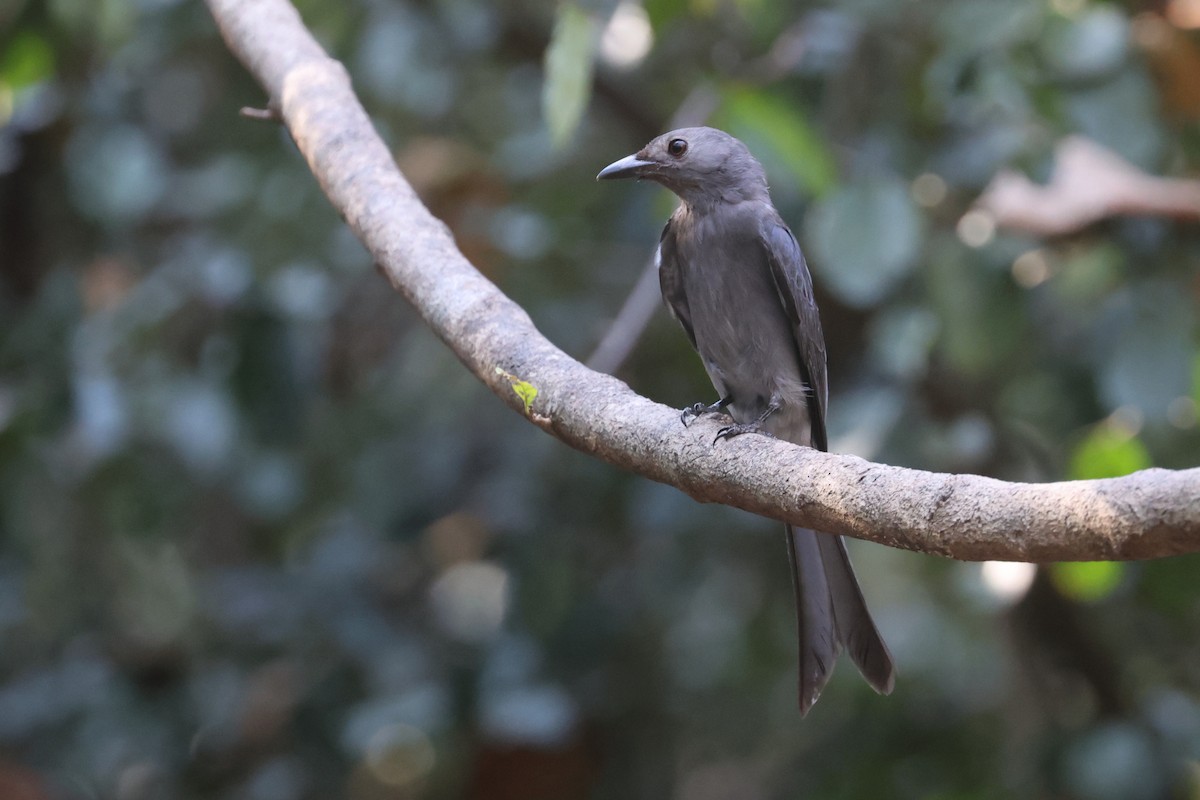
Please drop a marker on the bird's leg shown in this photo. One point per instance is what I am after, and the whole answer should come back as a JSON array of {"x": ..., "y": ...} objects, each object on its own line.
[
  {"x": 698, "y": 410},
  {"x": 730, "y": 431}
]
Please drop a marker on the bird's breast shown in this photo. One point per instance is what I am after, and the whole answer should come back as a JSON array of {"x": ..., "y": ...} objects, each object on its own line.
[{"x": 743, "y": 333}]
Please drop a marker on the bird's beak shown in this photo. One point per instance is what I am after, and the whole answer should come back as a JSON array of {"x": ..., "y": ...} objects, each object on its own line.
[{"x": 627, "y": 167}]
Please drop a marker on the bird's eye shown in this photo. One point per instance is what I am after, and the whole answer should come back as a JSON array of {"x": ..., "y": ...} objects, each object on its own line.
[{"x": 677, "y": 147}]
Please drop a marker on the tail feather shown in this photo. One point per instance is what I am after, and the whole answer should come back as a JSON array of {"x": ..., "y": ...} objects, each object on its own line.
[
  {"x": 830, "y": 612},
  {"x": 815, "y": 621},
  {"x": 855, "y": 626}
]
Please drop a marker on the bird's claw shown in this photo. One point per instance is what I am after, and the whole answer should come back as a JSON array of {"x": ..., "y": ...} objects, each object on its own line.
[
  {"x": 730, "y": 431},
  {"x": 692, "y": 412},
  {"x": 697, "y": 410}
]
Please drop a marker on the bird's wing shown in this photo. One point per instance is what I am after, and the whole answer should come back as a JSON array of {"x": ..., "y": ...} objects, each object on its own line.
[
  {"x": 794, "y": 285},
  {"x": 670, "y": 280}
]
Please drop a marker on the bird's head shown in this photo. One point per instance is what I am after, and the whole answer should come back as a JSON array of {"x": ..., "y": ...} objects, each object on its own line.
[{"x": 703, "y": 166}]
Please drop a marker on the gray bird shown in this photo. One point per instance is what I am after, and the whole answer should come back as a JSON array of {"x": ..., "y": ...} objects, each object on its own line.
[{"x": 735, "y": 279}]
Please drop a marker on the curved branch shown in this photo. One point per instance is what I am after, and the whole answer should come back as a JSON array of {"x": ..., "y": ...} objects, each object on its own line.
[
  {"x": 1090, "y": 183},
  {"x": 1147, "y": 514}
]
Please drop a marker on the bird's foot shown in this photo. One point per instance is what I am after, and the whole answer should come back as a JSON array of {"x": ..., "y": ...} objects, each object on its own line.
[
  {"x": 697, "y": 410},
  {"x": 730, "y": 431}
]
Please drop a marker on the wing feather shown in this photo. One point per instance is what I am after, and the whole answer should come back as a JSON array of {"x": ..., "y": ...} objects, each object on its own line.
[
  {"x": 794, "y": 285},
  {"x": 670, "y": 280}
]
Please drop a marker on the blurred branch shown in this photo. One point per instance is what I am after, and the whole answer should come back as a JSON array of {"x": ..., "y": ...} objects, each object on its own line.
[
  {"x": 630, "y": 323},
  {"x": 1090, "y": 183},
  {"x": 260, "y": 114},
  {"x": 1147, "y": 514}
]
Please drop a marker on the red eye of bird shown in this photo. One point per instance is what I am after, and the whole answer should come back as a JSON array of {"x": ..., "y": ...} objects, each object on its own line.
[{"x": 677, "y": 147}]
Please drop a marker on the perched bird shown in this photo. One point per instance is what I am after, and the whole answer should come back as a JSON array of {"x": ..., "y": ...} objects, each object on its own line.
[{"x": 733, "y": 275}]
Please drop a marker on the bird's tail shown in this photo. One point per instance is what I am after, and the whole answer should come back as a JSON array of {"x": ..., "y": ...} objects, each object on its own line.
[{"x": 830, "y": 613}]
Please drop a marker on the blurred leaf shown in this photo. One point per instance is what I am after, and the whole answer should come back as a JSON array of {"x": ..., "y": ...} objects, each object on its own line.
[
  {"x": 107, "y": 22},
  {"x": 901, "y": 338},
  {"x": 116, "y": 173},
  {"x": 981, "y": 320},
  {"x": 546, "y": 593},
  {"x": 979, "y": 25},
  {"x": 767, "y": 121},
  {"x": 155, "y": 598},
  {"x": 1108, "y": 452},
  {"x": 661, "y": 12},
  {"x": 972, "y": 157},
  {"x": 1196, "y": 378},
  {"x": 1170, "y": 584},
  {"x": 1192, "y": 791},
  {"x": 1113, "y": 761},
  {"x": 865, "y": 238},
  {"x": 1087, "y": 47},
  {"x": 28, "y": 59},
  {"x": 1087, "y": 581},
  {"x": 1087, "y": 274},
  {"x": 569, "y": 61},
  {"x": 1122, "y": 115},
  {"x": 1151, "y": 353}
]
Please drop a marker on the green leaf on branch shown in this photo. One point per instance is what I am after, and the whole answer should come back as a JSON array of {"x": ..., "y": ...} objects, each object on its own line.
[{"x": 523, "y": 389}]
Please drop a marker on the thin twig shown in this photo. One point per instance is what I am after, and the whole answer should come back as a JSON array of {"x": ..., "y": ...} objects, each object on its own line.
[{"x": 260, "y": 114}]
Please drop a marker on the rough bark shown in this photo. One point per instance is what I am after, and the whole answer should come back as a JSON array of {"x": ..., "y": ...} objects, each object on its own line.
[{"x": 1145, "y": 515}]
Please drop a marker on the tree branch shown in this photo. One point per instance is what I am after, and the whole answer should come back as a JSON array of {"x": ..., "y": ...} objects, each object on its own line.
[
  {"x": 1148, "y": 514},
  {"x": 1090, "y": 183}
]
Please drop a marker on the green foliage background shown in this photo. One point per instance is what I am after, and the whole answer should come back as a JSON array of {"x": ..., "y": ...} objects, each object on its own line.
[{"x": 262, "y": 537}]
